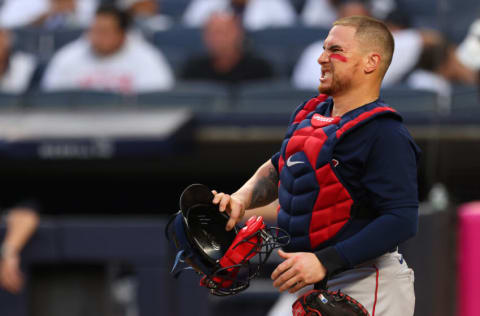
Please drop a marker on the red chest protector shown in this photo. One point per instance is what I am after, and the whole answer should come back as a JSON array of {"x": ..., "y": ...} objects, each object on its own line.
[{"x": 314, "y": 203}]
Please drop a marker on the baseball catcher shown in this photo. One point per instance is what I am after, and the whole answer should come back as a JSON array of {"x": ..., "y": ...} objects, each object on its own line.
[{"x": 224, "y": 259}]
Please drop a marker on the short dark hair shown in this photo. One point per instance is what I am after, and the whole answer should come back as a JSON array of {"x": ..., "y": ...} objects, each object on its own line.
[
  {"x": 122, "y": 17},
  {"x": 434, "y": 54},
  {"x": 374, "y": 33}
]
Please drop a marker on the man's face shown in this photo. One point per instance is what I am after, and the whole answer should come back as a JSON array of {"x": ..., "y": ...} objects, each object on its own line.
[
  {"x": 63, "y": 6},
  {"x": 144, "y": 8},
  {"x": 222, "y": 34},
  {"x": 340, "y": 61},
  {"x": 106, "y": 36}
]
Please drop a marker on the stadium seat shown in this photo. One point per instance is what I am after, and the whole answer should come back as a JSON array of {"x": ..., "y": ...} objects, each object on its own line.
[
  {"x": 279, "y": 59},
  {"x": 43, "y": 43},
  {"x": 270, "y": 97},
  {"x": 422, "y": 14},
  {"x": 408, "y": 100},
  {"x": 291, "y": 37},
  {"x": 179, "y": 37},
  {"x": 197, "y": 96},
  {"x": 286, "y": 43},
  {"x": 63, "y": 37},
  {"x": 178, "y": 44},
  {"x": 174, "y": 8},
  {"x": 37, "y": 76},
  {"x": 176, "y": 57},
  {"x": 466, "y": 97},
  {"x": 464, "y": 13},
  {"x": 439, "y": 14},
  {"x": 298, "y": 5},
  {"x": 465, "y": 105},
  {"x": 281, "y": 97},
  {"x": 74, "y": 98},
  {"x": 9, "y": 101}
]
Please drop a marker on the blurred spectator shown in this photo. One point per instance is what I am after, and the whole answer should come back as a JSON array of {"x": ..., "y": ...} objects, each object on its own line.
[
  {"x": 109, "y": 58},
  {"x": 18, "y": 13},
  {"x": 432, "y": 69},
  {"x": 22, "y": 221},
  {"x": 67, "y": 14},
  {"x": 146, "y": 15},
  {"x": 323, "y": 13},
  {"x": 255, "y": 14},
  {"x": 438, "y": 68},
  {"x": 409, "y": 43},
  {"x": 16, "y": 68},
  {"x": 306, "y": 73},
  {"x": 47, "y": 13},
  {"x": 469, "y": 50},
  {"x": 227, "y": 59}
]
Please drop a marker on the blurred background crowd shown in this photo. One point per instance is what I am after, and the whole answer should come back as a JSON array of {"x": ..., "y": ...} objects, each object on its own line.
[
  {"x": 137, "y": 46},
  {"x": 240, "y": 66}
]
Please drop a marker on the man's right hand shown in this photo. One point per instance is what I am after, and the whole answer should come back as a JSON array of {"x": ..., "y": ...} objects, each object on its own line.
[
  {"x": 11, "y": 278},
  {"x": 233, "y": 205}
]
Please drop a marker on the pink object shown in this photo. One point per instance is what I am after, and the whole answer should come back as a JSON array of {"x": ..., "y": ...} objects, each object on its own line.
[
  {"x": 339, "y": 57},
  {"x": 469, "y": 260}
]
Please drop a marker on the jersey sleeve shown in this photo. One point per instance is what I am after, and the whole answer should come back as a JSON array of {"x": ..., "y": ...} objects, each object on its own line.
[
  {"x": 275, "y": 159},
  {"x": 390, "y": 176}
]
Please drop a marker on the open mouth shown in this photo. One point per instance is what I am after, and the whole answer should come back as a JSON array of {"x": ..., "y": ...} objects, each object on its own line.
[{"x": 326, "y": 74}]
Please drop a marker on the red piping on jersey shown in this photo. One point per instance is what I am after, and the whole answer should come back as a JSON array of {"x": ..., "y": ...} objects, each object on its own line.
[
  {"x": 360, "y": 118},
  {"x": 281, "y": 162},
  {"x": 376, "y": 290}
]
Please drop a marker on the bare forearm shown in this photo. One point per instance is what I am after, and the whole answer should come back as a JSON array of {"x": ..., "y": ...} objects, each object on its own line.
[
  {"x": 268, "y": 212},
  {"x": 261, "y": 189},
  {"x": 21, "y": 224}
]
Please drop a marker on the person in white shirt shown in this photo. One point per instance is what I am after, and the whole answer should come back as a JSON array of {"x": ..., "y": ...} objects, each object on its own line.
[
  {"x": 256, "y": 14},
  {"x": 109, "y": 58},
  {"x": 432, "y": 73},
  {"x": 468, "y": 52},
  {"x": 16, "y": 68},
  {"x": 438, "y": 68},
  {"x": 47, "y": 13},
  {"x": 322, "y": 13}
]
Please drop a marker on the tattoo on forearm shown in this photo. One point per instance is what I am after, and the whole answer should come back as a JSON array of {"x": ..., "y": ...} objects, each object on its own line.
[{"x": 265, "y": 190}]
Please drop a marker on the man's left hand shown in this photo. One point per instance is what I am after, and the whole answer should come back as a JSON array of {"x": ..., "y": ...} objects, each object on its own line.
[{"x": 297, "y": 271}]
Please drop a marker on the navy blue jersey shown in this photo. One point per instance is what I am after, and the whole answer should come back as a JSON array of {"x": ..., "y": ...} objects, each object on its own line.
[{"x": 378, "y": 163}]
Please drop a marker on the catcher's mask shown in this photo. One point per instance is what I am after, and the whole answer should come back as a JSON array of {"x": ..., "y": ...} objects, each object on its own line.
[{"x": 222, "y": 257}]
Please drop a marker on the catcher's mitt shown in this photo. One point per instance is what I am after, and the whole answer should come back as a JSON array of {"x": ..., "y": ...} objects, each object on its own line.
[
  {"x": 327, "y": 303},
  {"x": 223, "y": 258}
]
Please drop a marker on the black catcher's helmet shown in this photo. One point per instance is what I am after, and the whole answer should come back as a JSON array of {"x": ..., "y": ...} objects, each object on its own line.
[{"x": 222, "y": 257}]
